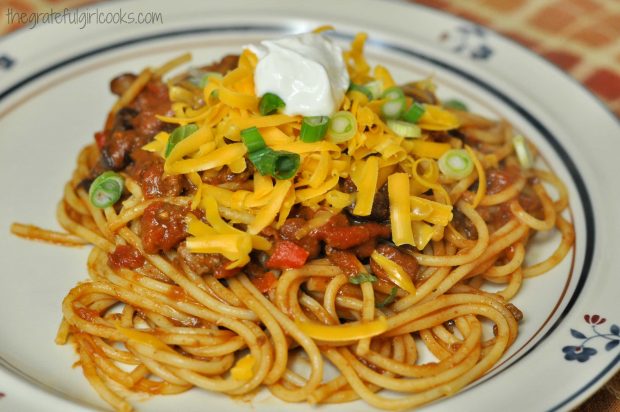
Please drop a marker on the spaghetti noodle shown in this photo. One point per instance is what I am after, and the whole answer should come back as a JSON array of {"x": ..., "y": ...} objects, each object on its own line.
[{"x": 209, "y": 273}]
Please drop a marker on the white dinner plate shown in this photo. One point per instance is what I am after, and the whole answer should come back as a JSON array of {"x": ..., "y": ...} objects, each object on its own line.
[{"x": 54, "y": 96}]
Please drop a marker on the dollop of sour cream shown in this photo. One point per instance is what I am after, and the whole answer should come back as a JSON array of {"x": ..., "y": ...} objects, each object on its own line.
[{"x": 306, "y": 71}]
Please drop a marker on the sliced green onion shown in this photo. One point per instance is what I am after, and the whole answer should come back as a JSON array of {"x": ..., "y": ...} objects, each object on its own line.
[
  {"x": 414, "y": 113},
  {"x": 389, "y": 299},
  {"x": 259, "y": 159},
  {"x": 393, "y": 109},
  {"x": 362, "y": 89},
  {"x": 342, "y": 127},
  {"x": 106, "y": 189},
  {"x": 252, "y": 139},
  {"x": 374, "y": 87},
  {"x": 524, "y": 154},
  {"x": 179, "y": 134},
  {"x": 287, "y": 164},
  {"x": 392, "y": 93},
  {"x": 313, "y": 128},
  {"x": 205, "y": 78},
  {"x": 455, "y": 104},
  {"x": 361, "y": 278},
  {"x": 404, "y": 129},
  {"x": 456, "y": 163},
  {"x": 279, "y": 164},
  {"x": 270, "y": 103}
]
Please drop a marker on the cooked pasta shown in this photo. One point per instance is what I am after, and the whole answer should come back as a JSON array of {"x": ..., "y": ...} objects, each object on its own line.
[{"x": 214, "y": 267}]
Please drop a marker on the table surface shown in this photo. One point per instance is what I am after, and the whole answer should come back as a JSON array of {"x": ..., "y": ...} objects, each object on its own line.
[{"x": 580, "y": 36}]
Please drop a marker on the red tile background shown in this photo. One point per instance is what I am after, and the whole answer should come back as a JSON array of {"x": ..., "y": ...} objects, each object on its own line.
[{"x": 580, "y": 36}]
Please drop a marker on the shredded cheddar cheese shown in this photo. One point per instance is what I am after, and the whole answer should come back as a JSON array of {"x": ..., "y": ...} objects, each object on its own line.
[
  {"x": 422, "y": 234},
  {"x": 243, "y": 369},
  {"x": 436, "y": 118},
  {"x": 158, "y": 144},
  {"x": 430, "y": 211},
  {"x": 342, "y": 333},
  {"x": 400, "y": 209},
  {"x": 267, "y": 214},
  {"x": 367, "y": 186},
  {"x": 143, "y": 338},
  {"x": 373, "y": 156},
  {"x": 424, "y": 148},
  {"x": 383, "y": 75},
  {"x": 220, "y": 237},
  {"x": 395, "y": 272}
]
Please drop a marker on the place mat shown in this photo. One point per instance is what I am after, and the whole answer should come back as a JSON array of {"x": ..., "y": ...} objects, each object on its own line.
[{"x": 582, "y": 37}]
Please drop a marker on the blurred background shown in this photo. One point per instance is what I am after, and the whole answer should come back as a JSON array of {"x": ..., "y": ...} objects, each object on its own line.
[{"x": 582, "y": 37}]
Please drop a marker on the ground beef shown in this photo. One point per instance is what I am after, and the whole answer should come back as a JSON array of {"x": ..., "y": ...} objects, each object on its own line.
[
  {"x": 254, "y": 269},
  {"x": 346, "y": 261},
  {"x": 348, "y": 186},
  {"x": 310, "y": 243},
  {"x": 364, "y": 250},
  {"x": 131, "y": 127},
  {"x": 462, "y": 224},
  {"x": 135, "y": 125},
  {"x": 290, "y": 228},
  {"x": 125, "y": 256},
  {"x": 148, "y": 170},
  {"x": 516, "y": 312},
  {"x": 121, "y": 83},
  {"x": 117, "y": 147},
  {"x": 226, "y": 64},
  {"x": 163, "y": 226},
  {"x": 225, "y": 175},
  {"x": 340, "y": 234},
  {"x": 337, "y": 233},
  {"x": 124, "y": 119},
  {"x": 205, "y": 263},
  {"x": 419, "y": 94},
  {"x": 152, "y": 101},
  {"x": 381, "y": 205},
  {"x": 529, "y": 200},
  {"x": 499, "y": 179},
  {"x": 496, "y": 215},
  {"x": 303, "y": 212}
]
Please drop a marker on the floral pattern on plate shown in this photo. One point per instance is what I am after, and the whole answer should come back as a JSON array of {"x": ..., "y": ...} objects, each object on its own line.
[
  {"x": 469, "y": 40},
  {"x": 581, "y": 352},
  {"x": 6, "y": 62}
]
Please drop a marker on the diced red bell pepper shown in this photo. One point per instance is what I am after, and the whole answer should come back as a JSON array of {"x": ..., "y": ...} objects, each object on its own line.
[
  {"x": 265, "y": 282},
  {"x": 223, "y": 273},
  {"x": 125, "y": 256},
  {"x": 287, "y": 255}
]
